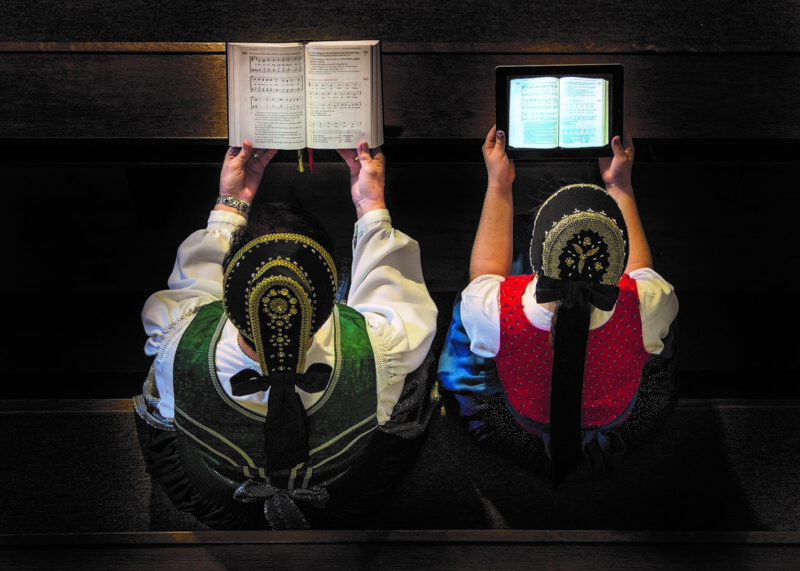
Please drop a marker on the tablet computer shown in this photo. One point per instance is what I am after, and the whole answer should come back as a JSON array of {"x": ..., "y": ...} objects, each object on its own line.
[{"x": 559, "y": 111}]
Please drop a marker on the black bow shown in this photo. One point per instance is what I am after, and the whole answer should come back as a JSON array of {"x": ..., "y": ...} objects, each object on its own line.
[
  {"x": 286, "y": 424},
  {"x": 602, "y": 296},
  {"x": 248, "y": 381},
  {"x": 280, "y": 506}
]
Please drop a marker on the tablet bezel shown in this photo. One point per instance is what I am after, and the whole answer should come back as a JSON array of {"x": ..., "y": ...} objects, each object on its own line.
[{"x": 615, "y": 74}]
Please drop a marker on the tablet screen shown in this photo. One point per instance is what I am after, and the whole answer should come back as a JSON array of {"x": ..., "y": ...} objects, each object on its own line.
[{"x": 559, "y": 111}]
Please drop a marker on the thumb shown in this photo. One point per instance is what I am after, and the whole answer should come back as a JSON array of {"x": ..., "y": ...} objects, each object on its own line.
[
  {"x": 363, "y": 151},
  {"x": 239, "y": 154},
  {"x": 623, "y": 147},
  {"x": 619, "y": 148},
  {"x": 500, "y": 141},
  {"x": 246, "y": 151}
]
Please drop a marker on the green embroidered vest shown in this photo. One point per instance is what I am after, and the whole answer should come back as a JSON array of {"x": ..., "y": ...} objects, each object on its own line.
[{"x": 231, "y": 437}]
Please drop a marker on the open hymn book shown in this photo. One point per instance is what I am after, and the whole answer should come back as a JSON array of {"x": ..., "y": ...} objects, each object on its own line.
[
  {"x": 320, "y": 95},
  {"x": 566, "y": 112}
]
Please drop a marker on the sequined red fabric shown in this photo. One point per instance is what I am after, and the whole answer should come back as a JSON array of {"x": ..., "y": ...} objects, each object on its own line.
[{"x": 615, "y": 355}]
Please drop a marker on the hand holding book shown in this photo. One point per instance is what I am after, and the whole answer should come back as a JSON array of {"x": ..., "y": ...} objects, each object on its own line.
[
  {"x": 367, "y": 177},
  {"x": 242, "y": 170}
]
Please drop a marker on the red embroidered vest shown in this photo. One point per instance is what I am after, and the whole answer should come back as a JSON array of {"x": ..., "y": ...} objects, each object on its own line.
[{"x": 615, "y": 355}]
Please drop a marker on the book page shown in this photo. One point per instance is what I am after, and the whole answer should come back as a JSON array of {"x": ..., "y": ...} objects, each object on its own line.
[
  {"x": 533, "y": 113},
  {"x": 584, "y": 112},
  {"x": 339, "y": 94},
  {"x": 266, "y": 95}
]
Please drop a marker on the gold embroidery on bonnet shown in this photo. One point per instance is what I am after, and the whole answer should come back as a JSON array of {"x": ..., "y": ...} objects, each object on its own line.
[
  {"x": 569, "y": 238},
  {"x": 284, "y": 304}
]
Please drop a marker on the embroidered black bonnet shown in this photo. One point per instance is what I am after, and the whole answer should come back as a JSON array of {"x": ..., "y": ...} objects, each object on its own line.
[
  {"x": 278, "y": 290},
  {"x": 580, "y": 235}
]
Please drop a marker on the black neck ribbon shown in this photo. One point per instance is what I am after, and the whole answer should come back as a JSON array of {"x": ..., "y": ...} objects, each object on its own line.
[
  {"x": 570, "y": 338},
  {"x": 286, "y": 423}
]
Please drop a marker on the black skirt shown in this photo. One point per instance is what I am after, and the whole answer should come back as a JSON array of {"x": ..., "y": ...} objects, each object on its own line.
[
  {"x": 490, "y": 421},
  {"x": 193, "y": 487}
]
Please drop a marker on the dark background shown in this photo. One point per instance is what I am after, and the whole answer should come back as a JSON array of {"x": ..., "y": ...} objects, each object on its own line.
[{"x": 113, "y": 125}]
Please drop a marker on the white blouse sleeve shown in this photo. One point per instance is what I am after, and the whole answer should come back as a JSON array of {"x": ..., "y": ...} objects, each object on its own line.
[
  {"x": 658, "y": 305},
  {"x": 196, "y": 278},
  {"x": 480, "y": 314},
  {"x": 388, "y": 288}
]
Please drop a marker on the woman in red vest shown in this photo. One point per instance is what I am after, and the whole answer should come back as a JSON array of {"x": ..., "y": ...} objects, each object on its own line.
[{"x": 567, "y": 366}]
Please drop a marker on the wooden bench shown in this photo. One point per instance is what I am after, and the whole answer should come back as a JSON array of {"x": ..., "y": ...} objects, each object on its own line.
[
  {"x": 718, "y": 486},
  {"x": 405, "y": 550}
]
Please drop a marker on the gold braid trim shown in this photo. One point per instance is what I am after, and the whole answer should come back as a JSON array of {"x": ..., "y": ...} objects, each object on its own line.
[{"x": 282, "y": 301}]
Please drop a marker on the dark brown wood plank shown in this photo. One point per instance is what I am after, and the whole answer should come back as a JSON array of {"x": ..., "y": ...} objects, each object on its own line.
[
  {"x": 410, "y": 537},
  {"x": 113, "y": 96},
  {"x": 110, "y": 47},
  {"x": 399, "y": 550},
  {"x": 427, "y": 96},
  {"x": 48, "y": 405},
  {"x": 564, "y": 26}
]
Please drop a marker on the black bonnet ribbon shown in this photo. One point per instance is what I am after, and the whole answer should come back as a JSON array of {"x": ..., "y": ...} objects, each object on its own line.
[
  {"x": 286, "y": 424},
  {"x": 602, "y": 296},
  {"x": 569, "y": 354}
]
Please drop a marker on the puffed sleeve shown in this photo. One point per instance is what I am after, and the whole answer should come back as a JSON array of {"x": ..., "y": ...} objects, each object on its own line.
[
  {"x": 388, "y": 288},
  {"x": 658, "y": 304},
  {"x": 196, "y": 278},
  {"x": 480, "y": 313}
]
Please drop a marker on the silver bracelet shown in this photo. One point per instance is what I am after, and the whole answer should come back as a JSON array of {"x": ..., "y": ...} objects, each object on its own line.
[{"x": 234, "y": 202}]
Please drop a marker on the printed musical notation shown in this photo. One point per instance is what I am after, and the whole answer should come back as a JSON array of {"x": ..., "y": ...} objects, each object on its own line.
[
  {"x": 337, "y": 126},
  {"x": 328, "y": 108},
  {"x": 277, "y": 103},
  {"x": 335, "y": 95},
  {"x": 339, "y": 90},
  {"x": 577, "y": 135},
  {"x": 330, "y": 97},
  {"x": 582, "y": 112},
  {"x": 538, "y": 90},
  {"x": 275, "y": 64},
  {"x": 283, "y": 85},
  {"x": 331, "y": 131},
  {"x": 276, "y": 83},
  {"x": 539, "y": 102}
]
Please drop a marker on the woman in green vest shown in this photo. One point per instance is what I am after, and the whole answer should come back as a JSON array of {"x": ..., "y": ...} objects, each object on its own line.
[{"x": 272, "y": 403}]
